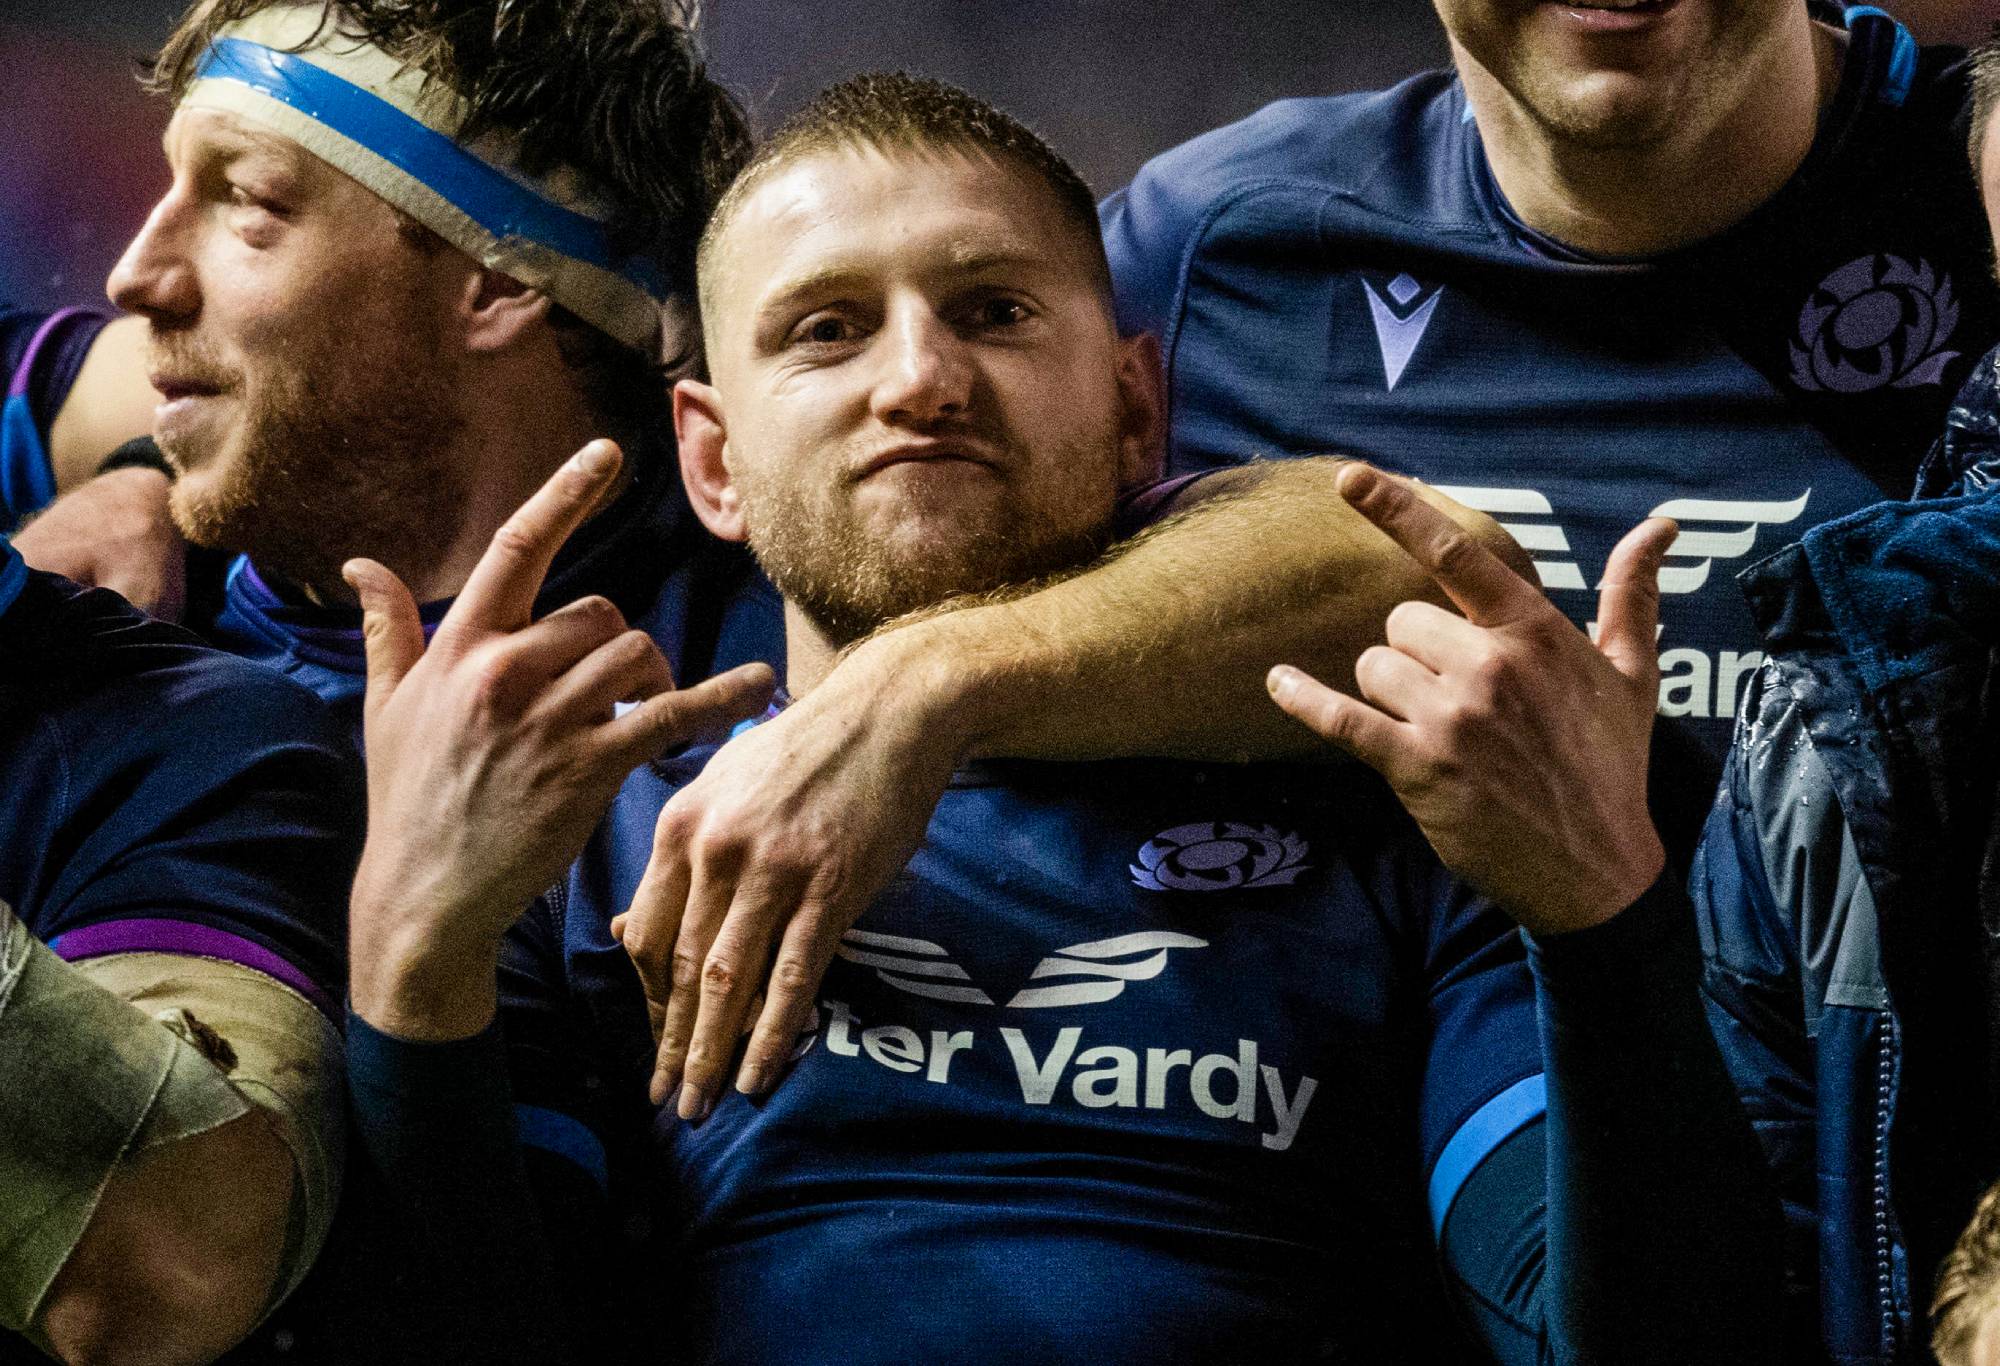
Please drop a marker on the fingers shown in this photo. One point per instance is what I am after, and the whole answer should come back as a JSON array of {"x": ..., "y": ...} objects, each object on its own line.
[
  {"x": 500, "y": 594},
  {"x": 705, "y": 711},
  {"x": 1486, "y": 590},
  {"x": 732, "y": 976},
  {"x": 561, "y": 640},
  {"x": 1628, "y": 601},
  {"x": 1433, "y": 637},
  {"x": 391, "y": 631},
  {"x": 1397, "y": 684},
  {"x": 1355, "y": 726},
  {"x": 799, "y": 967},
  {"x": 710, "y": 890},
  {"x": 652, "y": 923},
  {"x": 626, "y": 668}
]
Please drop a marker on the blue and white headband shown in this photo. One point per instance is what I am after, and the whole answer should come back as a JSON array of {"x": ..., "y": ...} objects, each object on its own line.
[{"x": 392, "y": 130}]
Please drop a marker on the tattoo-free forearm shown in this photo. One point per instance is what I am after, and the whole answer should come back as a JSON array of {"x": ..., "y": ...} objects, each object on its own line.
[{"x": 1161, "y": 647}]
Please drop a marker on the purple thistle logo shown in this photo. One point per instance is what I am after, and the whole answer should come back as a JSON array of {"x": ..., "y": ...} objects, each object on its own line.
[
  {"x": 1216, "y": 856},
  {"x": 1876, "y": 321}
]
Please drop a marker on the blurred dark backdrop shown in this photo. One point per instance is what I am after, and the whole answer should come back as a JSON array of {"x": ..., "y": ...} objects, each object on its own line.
[{"x": 1109, "y": 83}]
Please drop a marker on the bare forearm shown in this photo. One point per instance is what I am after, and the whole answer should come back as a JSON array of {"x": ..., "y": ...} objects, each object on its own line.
[
  {"x": 110, "y": 403},
  {"x": 182, "y": 1254},
  {"x": 1162, "y": 647}
]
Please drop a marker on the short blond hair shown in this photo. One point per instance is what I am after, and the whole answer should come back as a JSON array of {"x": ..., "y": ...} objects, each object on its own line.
[{"x": 895, "y": 111}]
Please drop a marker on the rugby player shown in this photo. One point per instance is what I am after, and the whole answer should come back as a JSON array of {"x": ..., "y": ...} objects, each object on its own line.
[
  {"x": 178, "y": 830},
  {"x": 1718, "y": 260},
  {"x": 1067, "y": 1091},
  {"x": 353, "y": 365},
  {"x": 412, "y": 257}
]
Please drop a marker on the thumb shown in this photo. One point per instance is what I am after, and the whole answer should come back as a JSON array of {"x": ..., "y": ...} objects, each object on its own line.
[
  {"x": 391, "y": 631},
  {"x": 1628, "y": 600}
]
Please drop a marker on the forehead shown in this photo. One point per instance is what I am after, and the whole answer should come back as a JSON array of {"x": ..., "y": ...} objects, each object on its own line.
[
  {"x": 896, "y": 212},
  {"x": 198, "y": 131}
]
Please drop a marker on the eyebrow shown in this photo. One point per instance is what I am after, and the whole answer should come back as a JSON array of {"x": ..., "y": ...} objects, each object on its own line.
[{"x": 964, "y": 260}]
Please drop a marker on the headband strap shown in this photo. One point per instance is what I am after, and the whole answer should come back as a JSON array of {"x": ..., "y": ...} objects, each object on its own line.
[{"x": 394, "y": 131}]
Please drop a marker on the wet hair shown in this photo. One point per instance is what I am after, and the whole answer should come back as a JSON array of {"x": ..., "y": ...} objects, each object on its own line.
[
  {"x": 616, "y": 89},
  {"x": 1968, "y": 1290},
  {"x": 895, "y": 111},
  {"x": 1985, "y": 71}
]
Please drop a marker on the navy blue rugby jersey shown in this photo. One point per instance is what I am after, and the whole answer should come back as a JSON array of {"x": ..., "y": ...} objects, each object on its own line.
[
  {"x": 1138, "y": 1061},
  {"x": 40, "y": 357},
  {"x": 163, "y": 797},
  {"x": 1343, "y": 274},
  {"x": 704, "y": 602}
]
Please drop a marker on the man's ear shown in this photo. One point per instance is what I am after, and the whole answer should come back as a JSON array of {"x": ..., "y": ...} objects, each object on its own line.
[
  {"x": 497, "y": 311},
  {"x": 704, "y": 443},
  {"x": 1142, "y": 430}
]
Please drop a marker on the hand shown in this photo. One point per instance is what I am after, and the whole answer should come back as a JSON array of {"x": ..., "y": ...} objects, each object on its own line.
[
  {"x": 1519, "y": 747},
  {"x": 114, "y": 532},
  {"x": 784, "y": 840},
  {"x": 492, "y": 754}
]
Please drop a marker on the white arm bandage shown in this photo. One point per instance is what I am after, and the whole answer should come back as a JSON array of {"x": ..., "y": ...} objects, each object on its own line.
[{"x": 104, "y": 1061}]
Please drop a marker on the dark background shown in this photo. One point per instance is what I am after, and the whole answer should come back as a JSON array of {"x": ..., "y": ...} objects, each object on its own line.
[{"x": 1109, "y": 83}]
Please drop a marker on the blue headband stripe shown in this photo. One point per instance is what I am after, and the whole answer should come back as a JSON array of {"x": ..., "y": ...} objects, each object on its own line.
[{"x": 501, "y": 206}]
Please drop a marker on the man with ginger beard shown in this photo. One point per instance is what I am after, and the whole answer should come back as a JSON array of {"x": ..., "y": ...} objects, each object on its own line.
[
  {"x": 1067, "y": 1093},
  {"x": 412, "y": 258}
]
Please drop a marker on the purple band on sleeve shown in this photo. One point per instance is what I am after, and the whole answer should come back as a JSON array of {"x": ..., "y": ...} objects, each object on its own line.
[{"x": 192, "y": 941}]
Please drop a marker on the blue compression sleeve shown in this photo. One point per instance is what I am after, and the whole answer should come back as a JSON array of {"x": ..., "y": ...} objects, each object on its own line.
[
  {"x": 437, "y": 1123},
  {"x": 1636, "y": 1224}
]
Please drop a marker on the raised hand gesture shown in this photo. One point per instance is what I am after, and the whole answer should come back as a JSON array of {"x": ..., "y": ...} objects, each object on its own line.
[
  {"x": 1518, "y": 745},
  {"x": 493, "y": 753}
]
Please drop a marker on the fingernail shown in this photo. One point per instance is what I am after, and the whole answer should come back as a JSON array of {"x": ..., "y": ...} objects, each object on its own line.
[
  {"x": 1282, "y": 681},
  {"x": 660, "y": 1093},
  {"x": 594, "y": 459},
  {"x": 750, "y": 1081},
  {"x": 694, "y": 1106}
]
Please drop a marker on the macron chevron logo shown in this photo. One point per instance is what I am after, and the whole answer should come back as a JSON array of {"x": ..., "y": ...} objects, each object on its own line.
[
  {"x": 1402, "y": 309},
  {"x": 1082, "y": 974}
]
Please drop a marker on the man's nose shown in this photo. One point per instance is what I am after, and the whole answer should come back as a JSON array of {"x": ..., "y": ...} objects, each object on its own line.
[
  {"x": 927, "y": 370},
  {"x": 155, "y": 277}
]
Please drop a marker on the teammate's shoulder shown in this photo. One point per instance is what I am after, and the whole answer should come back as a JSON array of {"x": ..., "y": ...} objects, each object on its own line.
[
  {"x": 80, "y": 650},
  {"x": 1336, "y": 142}
]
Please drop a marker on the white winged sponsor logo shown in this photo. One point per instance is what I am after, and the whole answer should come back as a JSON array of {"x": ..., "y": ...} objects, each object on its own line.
[
  {"x": 1082, "y": 974},
  {"x": 1711, "y": 529}
]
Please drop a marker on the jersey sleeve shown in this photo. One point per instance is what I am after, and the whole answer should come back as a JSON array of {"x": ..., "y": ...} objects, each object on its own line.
[
  {"x": 1594, "y": 1189},
  {"x": 491, "y": 1153},
  {"x": 181, "y": 800},
  {"x": 232, "y": 835},
  {"x": 1150, "y": 230},
  {"x": 40, "y": 357},
  {"x": 1483, "y": 1075}
]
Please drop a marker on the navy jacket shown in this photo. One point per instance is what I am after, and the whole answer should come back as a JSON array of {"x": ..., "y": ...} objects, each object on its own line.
[{"x": 1848, "y": 889}]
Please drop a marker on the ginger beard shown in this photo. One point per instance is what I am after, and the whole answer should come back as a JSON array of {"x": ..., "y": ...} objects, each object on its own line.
[
  {"x": 341, "y": 445},
  {"x": 952, "y": 535}
]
